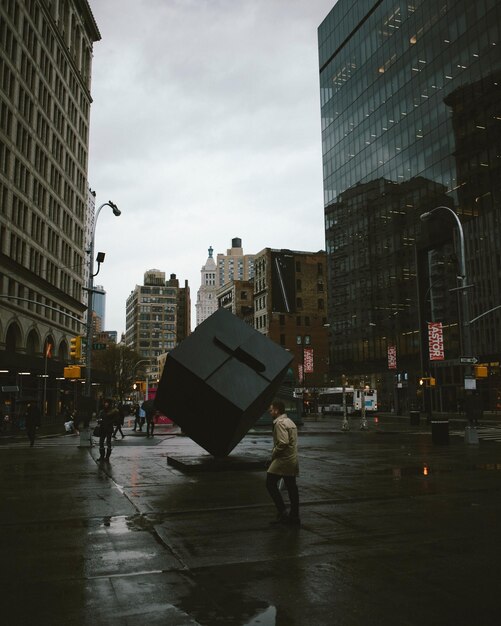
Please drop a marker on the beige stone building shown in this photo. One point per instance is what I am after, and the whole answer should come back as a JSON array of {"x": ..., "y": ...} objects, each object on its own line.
[
  {"x": 45, "y": 64},
  {"x": 157, "y": 317},
  {"x": 234, "y": 265}
]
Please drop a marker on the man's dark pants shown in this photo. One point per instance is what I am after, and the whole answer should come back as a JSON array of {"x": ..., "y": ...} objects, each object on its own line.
[{"x": 276, "y": 496}]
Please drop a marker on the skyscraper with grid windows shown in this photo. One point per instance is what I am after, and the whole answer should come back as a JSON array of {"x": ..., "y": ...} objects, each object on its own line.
[{"x": 411, "y": 119}]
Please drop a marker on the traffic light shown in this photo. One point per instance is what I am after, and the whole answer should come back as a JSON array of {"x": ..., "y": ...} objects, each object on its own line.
[
  {"x": 73, "y": 371},
  {"x": 427, "y": 381},
  {"x": 76, "y": 347},
  {"x": 481, "y": 371}
]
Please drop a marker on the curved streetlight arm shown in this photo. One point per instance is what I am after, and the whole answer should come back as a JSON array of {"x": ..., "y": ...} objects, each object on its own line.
[
  {"x": 485, "y": 313},
  {"x": 90, "y": 291},
  {"x": 462, "y": 263},
  {"x": 139, "y": 363},
  {"x": 461, "y": 277}
]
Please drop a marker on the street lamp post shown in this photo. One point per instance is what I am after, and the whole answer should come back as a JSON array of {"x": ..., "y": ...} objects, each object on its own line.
[
  {"x": 303, "y": 341},
  {"x": 463, "y": 286},
  {"x": 461, "y": 278},
  {"x": 345, "y": 426},
  {"x": 90, "y": 292},
  {"x": 363, "y": 414}
]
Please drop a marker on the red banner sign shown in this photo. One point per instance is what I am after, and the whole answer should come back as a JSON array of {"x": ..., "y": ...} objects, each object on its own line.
[
  {"x": 436, "y": 341},
  {"x": 392, "y": 357},
  {"x": 308, "y": 360}
]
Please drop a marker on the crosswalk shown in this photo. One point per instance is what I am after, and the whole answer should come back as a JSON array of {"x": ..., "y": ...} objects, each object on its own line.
[
  {"x": 73, "y": 441},
  {"x": 67, "y": 441},
  {"x": 487, "y": 433}
]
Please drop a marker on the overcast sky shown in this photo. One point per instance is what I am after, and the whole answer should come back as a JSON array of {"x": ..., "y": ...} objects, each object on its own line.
[{"x": 205, "y": 126}]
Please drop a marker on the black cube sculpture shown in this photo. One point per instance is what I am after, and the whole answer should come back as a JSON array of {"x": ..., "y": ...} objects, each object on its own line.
[{"x": 220, "y": 380}]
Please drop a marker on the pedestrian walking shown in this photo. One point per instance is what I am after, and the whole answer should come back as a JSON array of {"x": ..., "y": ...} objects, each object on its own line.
[
  {"x": 137, "y": 421},
  {"x": 119, "y": 422},
  {"x": 32, "y": 420},
  {"x": 138, "y": 418},
  {"x": 107, "y": 416},
  {"x": 149, "y": 412},
  {"x": 284, "y": 464}
]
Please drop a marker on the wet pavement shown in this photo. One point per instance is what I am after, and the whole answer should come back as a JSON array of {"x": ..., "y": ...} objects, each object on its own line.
[{"x": 396, "y": 530}]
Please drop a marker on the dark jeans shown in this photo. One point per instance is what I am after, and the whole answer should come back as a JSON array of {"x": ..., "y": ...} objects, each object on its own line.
[
  {"x": 105, "y": 437},
  {"x": 276, "y": 496},
  {"x": 31, "y": 435},
  {"x": 118, "y": 428},
  {"x": 150, "y": 427}
]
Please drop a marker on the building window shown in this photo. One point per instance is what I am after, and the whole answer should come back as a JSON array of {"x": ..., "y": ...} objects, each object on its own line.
[
  {"x": 306, "y": 320},
  {"x": 298, "y": 320},
  {"x": 298, "y": 266},
  {"x": 299, "y": 303},
  {"x": 282, "y": 340},
  {"x": 321, "y": 304},
  {"x": 298, "y": 284}
]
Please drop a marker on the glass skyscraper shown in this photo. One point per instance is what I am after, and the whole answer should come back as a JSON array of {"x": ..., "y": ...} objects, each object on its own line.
[{"x": 411, "y": 117}]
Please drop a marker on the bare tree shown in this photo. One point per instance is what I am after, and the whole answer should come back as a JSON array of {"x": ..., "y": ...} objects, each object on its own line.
[{"x": 119, "y": 362}]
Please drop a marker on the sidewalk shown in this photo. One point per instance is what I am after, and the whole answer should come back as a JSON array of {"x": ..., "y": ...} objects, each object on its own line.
[
  {"x": 395, "y": 532},
  {"x": 312, "y": 424}
]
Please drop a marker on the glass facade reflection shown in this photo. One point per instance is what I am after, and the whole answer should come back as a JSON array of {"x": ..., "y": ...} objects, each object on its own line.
[{"x": 411, "y": 119}]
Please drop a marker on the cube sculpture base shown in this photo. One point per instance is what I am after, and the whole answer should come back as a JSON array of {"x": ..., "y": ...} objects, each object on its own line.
[{"x": 218, "y": 382}]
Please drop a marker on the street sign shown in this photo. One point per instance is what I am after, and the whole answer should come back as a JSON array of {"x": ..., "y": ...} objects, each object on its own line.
[
  {"x": 469, "y": 360},
  {"x": 308, "y": 360},
  {"x": 470, "y": 383},
  {"x": 436, "y": 341}
]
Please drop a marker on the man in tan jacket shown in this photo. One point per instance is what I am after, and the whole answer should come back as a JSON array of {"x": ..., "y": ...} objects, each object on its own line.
[{"x": 284, "y": 464}]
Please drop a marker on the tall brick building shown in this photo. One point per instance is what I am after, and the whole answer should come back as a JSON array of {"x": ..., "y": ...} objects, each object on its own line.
[{"x": 290, "y": 307}]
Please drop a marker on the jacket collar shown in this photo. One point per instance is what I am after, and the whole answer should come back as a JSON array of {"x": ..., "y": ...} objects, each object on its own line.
[{"x": 279, "y": 417}]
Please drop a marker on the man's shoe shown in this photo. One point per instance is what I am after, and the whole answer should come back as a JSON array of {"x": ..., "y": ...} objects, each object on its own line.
[{"x": 281, "y": 518}]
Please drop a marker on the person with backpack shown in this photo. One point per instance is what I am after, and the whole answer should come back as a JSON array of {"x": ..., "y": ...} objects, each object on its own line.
[
  {"x": 108, "y": 416},
  {"x": 119, "y": 422},
  {"x": 149, "y": 412},
  {"x": 32, "y": 420}
]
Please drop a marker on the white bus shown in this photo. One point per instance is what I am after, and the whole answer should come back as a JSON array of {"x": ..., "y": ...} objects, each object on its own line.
[{"x": 330, "y": 400}]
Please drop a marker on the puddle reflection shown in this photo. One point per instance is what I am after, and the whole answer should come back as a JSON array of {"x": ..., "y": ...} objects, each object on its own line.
[
  {"x": 422, "y": 470},
  {"x": 426, "y": 471}
]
